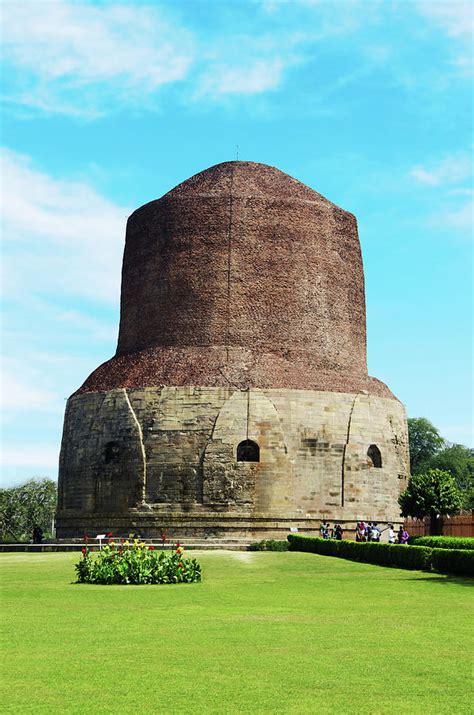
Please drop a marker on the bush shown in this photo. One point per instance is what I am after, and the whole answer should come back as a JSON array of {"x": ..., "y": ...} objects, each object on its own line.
[
  {"x": 453, "y": 561},
  {"x": 443, "y": 542},
  {"x": 410, "y": 557},
  {"x": 268, "y": 545},
  {"x": 405, "y": 557},
  {"x": 422, "y": 558},
  {"x": 136, "y": 563}
]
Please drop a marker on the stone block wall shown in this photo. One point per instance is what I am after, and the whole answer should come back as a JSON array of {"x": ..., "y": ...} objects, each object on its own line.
[{"x": 156, "y": 458}]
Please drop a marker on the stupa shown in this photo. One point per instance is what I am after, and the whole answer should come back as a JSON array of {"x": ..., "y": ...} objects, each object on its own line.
[{"x": 238, "y": 401}]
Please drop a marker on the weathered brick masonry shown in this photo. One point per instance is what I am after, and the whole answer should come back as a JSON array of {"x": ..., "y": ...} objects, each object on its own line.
[{"x": 242, "y": 321}]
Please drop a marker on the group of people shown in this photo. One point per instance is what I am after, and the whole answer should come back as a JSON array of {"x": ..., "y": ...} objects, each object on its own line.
[
  {"x": 369, "y": 531},
  {"x": 328, "y": 533},
  {"x": 372, "y": 532}
]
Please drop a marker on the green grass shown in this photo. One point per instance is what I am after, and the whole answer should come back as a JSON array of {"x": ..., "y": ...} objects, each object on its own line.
[{"x": 263, "y": 633}]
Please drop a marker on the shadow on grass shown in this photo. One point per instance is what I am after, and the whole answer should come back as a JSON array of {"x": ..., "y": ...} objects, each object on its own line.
[{"x": 445, "y": 579}]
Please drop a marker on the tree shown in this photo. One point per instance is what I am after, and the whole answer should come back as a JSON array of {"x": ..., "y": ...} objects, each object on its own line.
[
  {"x": 23, "y": 507},
  {"x": 433, "y": 494},
  {"x": 425, "y": 442},
  {"x": 458, "y": 460}
]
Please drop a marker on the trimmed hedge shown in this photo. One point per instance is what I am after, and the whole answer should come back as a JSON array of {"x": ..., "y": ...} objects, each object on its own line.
[
  {"x": 455, "y": 561},
  {"x": 443, "y": 542},
  {"x": 404, "y": 557},
  {"x": 422, "y": 558}
]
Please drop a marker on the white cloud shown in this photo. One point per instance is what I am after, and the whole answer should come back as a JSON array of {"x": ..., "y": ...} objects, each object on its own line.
[
  {"x": 17, "y": 395},
  {"x": 61, "y": 237},
  {"x": 462, "y": 192},
  {"x": 459, "y": 219},
  {"x": 455, "y": 202},
  {"x": 74, "y": 57},
  {"x": 456, "y": 167},
  {"x": 259, "y": 76},
  {"x": 83, "y": 59},
  {"x": 464, "y": 64},
  {"x": 33, "y": 380},
  {"x": 271, "y": 6},
  {"x": 62, "y": 251},
  {"x": 455, "y": 18}
]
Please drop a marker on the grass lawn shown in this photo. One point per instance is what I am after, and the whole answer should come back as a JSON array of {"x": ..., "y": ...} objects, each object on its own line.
[{"x": 262, "y": 633}]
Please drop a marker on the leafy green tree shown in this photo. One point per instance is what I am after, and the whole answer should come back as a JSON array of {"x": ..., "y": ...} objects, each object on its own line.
[
  {"x": 432, "y": 495},
  {"x": 26, "y": 506},
  {"x": 458, "y": 460},
  {"x": 425, "y": 442}
]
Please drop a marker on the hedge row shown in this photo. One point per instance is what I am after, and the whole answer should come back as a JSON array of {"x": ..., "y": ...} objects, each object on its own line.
[
  {"x": 456, "y": 561},
  {"x": 443, "y": 542},
  {"x": 420, "y": 558}
]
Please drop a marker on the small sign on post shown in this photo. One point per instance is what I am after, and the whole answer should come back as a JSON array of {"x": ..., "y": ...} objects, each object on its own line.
[{"x": 99, "y": 538}]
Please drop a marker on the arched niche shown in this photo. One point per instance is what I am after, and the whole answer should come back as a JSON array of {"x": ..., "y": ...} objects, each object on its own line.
[
  {"x": 375, "y": 456},
  {"x": 248, "y": 451}
]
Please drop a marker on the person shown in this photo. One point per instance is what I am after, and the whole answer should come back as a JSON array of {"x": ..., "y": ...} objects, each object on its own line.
[
  {"x": 391, "y": 534},
  {"x": 368, "y": 532},
  {"x": 360, "y": 531},
  {"x": 338, "y": 532},
  {"x": 405, "y": 537},
  {"x": 400, "y": 534},
  {"x": 324, "y": 530},
  {"x": 37, "y": 534},
  {"x": 375, "y": 532}
]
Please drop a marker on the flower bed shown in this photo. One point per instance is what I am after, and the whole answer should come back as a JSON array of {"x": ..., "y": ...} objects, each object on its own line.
[{"x": 134, "y": 562}]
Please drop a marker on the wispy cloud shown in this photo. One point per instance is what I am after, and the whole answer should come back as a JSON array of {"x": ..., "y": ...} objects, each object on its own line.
[
  {"x": 84, "y": 60},
  {"x": 18, "y": 394},
  {"x": 62, "y": 250},
  {"x": 454, "y": 18},
  {"x": 76, "y": 57},
  {"x": 457, "y": 218},
  {"x": 462, "y": 192},
  {"x": 455, "y": 203},
  {"x": 61, "y": 236},
  {"x": 449, "y": 170},
  {"x": 259, "y": 76}
]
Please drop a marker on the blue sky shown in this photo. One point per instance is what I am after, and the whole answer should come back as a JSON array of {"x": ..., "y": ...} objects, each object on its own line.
[{"x": 108, "y": 106}]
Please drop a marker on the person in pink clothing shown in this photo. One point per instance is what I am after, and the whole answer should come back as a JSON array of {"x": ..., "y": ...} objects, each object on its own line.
[{"x": 360, "y": 531}]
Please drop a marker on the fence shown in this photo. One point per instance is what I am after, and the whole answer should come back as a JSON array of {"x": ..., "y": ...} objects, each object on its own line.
[{"x": 461, "y": 525}]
